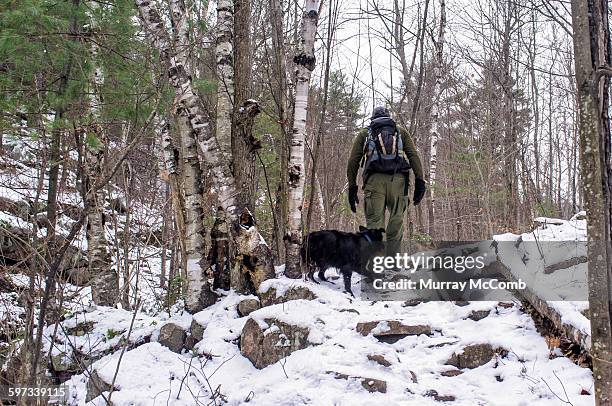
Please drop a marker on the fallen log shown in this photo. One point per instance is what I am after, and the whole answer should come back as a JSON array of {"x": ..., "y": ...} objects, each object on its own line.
[{"x": 543, "y": 307}]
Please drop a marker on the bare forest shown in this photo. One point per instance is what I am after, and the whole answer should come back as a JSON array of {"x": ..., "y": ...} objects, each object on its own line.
[{"x": 163, "y": 164}]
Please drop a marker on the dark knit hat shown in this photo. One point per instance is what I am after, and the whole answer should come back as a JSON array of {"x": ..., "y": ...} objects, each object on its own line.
[{"x": 380, "y": 111}]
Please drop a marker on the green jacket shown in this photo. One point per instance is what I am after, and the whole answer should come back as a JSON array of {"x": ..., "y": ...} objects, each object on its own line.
[{"x": 357, "y": 154}]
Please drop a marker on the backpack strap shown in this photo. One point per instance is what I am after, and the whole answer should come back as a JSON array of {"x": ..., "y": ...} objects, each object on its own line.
[
  {"x": 364, "y": 150},
  {"x": 397, "y": 140}
]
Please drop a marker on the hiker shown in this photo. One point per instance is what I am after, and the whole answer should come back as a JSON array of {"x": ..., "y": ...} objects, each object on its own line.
[{"x": 386, "y": 152}]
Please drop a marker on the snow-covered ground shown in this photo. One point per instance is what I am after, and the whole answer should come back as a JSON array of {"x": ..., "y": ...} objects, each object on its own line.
[
  {"x": 328, "y": 372},
  {"x": 526, "y": 375}
]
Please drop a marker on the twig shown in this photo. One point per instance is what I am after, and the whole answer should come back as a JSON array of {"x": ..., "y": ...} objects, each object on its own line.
[
  {"x": 127, "y": 341},
  {"x": 183, "y": 380}
]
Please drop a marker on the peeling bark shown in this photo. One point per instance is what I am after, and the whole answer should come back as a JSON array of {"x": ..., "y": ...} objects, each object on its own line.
[
  {"x": 225, "y": 75},
  {"x": 254, "y": 257},
  {"x": 305, "y": 63}
]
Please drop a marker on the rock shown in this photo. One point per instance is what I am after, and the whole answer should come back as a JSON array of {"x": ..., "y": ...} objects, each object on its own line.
[
  {"x": 391, "y": 331},
  {"x": 440, "y": 398},
  {"x": 461, "y": 303},
  {"x": 412, "y": 302},
  {"x": 269, "y": 297},
  {"x": 81, "y": 329},
  {"x": 440, "y": 345},
  {"x": 472, "y": 356},
  {"x": 379, "y": 359},
  {"x": 195, "y": 335},
  {"x": 63, "y": 362},
  {"x": 96, "y": 386},
  {"x": 452, "y": 372},
  {"x": 173, "y": 337},
  {"x": 265, "y": 346},
  {"x": 479, "y": 314},
  {"x": 505, "y": 305},
  {"x": 248, "y": 306},
  {"x": 369, "y": 384},
  {"x": 197, "y": 330}
]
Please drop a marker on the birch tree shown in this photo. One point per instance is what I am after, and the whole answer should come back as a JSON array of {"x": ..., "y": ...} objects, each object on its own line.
[
  {"x": 591, "y": 50},
  {"x": 435, "y": 116},
  {"x": 225, "y": 75},
  {"x": 253, "y": 256},
  {"x": 198, "y": 294},
  {"x": 105, "y": 283},
  {"x": 305, "y": 63}
]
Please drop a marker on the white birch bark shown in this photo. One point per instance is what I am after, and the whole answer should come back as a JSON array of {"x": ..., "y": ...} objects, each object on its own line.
[
  {"x": 197, "y": 293},
  {"x": 254, "y": 255},
  {"x": 225, "y": 75},
  {"x": 105, "y": 282},
  {"x": 305, "y": 63},
  {"x": 435, "y": 116}
]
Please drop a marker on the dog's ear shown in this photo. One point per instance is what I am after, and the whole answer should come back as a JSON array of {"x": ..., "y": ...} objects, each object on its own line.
[
  {"x": 362, "y": 229},
  {"x": 382, "y": 230}
]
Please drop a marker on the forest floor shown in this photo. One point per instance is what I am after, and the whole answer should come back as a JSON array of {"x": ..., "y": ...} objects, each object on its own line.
[{"x": 473, "y": 353}]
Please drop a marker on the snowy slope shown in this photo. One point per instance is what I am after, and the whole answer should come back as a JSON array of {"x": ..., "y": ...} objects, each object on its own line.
[{"x": 152, "y": 374}]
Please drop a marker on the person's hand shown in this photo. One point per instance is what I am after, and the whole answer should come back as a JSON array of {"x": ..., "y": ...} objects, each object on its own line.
[
  {"x": 419, "y": 191},
  {"x": 352, "y": 197}
]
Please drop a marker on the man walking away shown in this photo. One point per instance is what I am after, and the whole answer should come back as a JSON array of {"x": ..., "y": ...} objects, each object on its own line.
[{"x": 386, "y": 152}]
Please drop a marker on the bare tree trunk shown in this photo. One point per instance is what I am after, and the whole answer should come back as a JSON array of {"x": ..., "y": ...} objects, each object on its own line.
[
  {"x": 225, "y": 75},
  {"x": 105, "y": 284},
  {"x": 314, "y": 182},
  {"x": 305, "y": 63},
  {"x": 591, "y": 50},
  {"x": 242, "y": 137},
  {"x": 198, "y": 294},
  {"x": 435, "y": 117},
  {"x": 194, "y": 228},
  {"x": 281, "y": 96},
  {"x": 254, "y": 258}
]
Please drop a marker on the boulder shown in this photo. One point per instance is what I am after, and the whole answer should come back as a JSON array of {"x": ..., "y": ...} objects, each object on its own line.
[
  {"x": 96, "y": 386},
  {"x": 173, "y": 337},
  {"x": 195, "y": 335},
  {"x": 197, "y": 330},
  {"x": 369, "y": 384},
  {"x": 248, "y": 306},
  {"x": 472, "y": 356},
  {"x": 379, "y": 359},
  {"x": 271, "y": 297},
  {"x": 477, "y": 315},
  {"x": 391, "y": 331},
  {"x": 265, "y": 345},
  {"x": 440, "y": 398}
]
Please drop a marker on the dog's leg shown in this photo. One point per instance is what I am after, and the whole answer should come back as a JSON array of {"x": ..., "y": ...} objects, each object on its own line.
[
  {"x": 311, "y": 271},
  {"x": 322, "y": 275},
  {"x": 346, "y": 275}
]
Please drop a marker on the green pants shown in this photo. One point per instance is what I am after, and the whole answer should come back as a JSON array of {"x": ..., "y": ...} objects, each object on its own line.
[{"x": 386, "y": 192}]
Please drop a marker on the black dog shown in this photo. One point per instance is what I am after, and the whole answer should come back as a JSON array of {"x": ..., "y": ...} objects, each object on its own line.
[{"x": 348, "y": 252}]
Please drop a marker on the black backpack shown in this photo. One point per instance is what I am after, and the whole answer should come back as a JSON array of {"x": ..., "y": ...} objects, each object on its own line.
[{"x": 383, "y": 148}]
